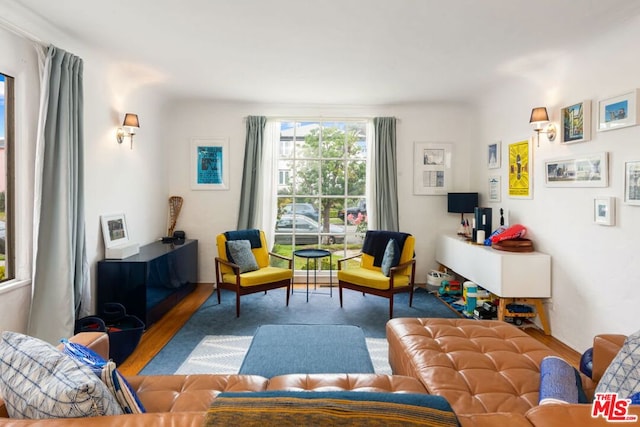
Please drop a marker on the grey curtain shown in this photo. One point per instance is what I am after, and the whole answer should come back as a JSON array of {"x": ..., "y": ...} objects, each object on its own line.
[
  {"x": 385, "y": 189},
  {"x": 60, "y": 260},
  {"x": 248, "y": 216}
]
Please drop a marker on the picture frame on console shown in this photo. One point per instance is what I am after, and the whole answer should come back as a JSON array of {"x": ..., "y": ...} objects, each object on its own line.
[
  {"x": 209, "y": 164},
  {"x": 115, "y": 233},
  {"x": 431, "y": 168},
  {"x": 618, "y": 111},
  {"x": 575, "y": 120}
]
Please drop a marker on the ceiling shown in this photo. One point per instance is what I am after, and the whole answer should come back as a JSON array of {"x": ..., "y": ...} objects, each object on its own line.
[{"x": 355, "y": 52}]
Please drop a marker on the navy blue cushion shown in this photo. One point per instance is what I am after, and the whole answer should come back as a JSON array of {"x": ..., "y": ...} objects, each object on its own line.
[
  {"x": 252, "y": 235},
  {"x": 375, "y": 243}
]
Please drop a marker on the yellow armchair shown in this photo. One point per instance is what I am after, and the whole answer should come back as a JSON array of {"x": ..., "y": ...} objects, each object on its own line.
[
  {"x": 368, "y": 276},
  {"x": 261, "y": 276}
]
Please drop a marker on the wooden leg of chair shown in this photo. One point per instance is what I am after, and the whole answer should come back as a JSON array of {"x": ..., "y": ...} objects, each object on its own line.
[
  {"x": 411, "y": 297},
  {"x": 288, "y": 293},
  {"x": 218, "y": 292},
  {"x": 237, "y": 304},
  {"x": 391, "y": 307},
  {"x": 340, "y": 292}
]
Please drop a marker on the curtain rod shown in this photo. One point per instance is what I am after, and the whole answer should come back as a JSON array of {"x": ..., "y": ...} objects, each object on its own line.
[
  {"x": 317, "y": 118},
  {"x": 20, "y": 32}
]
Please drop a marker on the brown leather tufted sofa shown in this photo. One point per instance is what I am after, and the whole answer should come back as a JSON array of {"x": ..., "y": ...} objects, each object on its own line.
[
  {"x": 182, "y": 400},
  {"x": 489, "y": 370}
]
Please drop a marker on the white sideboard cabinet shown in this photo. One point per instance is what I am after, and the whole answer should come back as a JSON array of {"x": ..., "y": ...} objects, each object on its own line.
[{"x": 525, "y": 276}]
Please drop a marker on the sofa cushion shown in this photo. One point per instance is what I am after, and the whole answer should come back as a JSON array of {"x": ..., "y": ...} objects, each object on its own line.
[
  {"x": 330, "y": 408},
  {"x": 241, "y": 255},
  {"x": 39, "y": 381},
  {"x": 623, "y": 374}
]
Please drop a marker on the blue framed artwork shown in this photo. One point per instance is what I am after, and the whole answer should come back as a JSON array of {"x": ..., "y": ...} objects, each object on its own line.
[
  {"x": 618, "y": 111},
  {"x": 209, "y": 164}
]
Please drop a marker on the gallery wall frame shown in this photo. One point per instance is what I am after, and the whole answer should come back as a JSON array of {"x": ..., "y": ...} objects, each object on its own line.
[
  {"x": 114, "y": 229},
  {"x": 619, "y": 111},
  {"x": 587, "y": 170},
  {"x": 632, "y": 182},
  {"x": 604, "y": 210},
  {"x": 520, "y": 170},
  {"x": 495, "y": 188},
  {"x": 575, "y": 122},
  {"x": 431, "y": 168},
  {"x": 494, "y": 151},
  {"x": 209, "y": 163}
]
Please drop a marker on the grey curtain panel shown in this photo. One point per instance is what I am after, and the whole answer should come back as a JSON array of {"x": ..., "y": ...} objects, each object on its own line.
[
  {"x": 248, "y": 216},
  {"x": 385, "y": 189},
  {"x": 60, "y": 259}
]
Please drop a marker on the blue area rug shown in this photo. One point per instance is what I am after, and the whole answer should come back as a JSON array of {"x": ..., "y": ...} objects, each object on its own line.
[
  {"x": 369, "y": 312},
  {"x": 294, "y": 349}
]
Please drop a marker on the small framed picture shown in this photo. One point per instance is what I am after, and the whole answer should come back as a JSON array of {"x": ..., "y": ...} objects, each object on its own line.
[
  {"x": 632, "y": 183},
  {"x": 114, "y": 230},
  {"x": 495, "y": 188},
  {"x": 618, "y": 111},
  {"x": 604, "y": 212},
  {"x": 493, "y": 155},
  {"x": 576, "y": 122}
]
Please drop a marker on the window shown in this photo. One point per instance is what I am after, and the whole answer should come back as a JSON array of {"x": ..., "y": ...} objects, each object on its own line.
[
  {"x": 321, "y": 187},
  {"x": 6, "y": 178}
]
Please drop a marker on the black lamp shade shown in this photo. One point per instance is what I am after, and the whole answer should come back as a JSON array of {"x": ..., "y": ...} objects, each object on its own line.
[{"x": 462, "y": 202}]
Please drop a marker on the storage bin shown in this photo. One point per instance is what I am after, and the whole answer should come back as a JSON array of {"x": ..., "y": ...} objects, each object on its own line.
[{"x": 125, "y": 331}]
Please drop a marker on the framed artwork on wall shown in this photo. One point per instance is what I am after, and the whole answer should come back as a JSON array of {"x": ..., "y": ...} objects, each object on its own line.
[
  {"x": 589, "y": 170},
  {"x": 632, "y": 183},
  {"x": 431, "y": 168},
  {"x": 618, "y": 111},
  {"x": 209, "y": 164},
  {"x": 520, "y": 170},
  {"x": 495, "y": 188},
  {"x": 604, "y": 210},
  {"x": 576, "y": 122},
  {"x": 493, "y": 155}
]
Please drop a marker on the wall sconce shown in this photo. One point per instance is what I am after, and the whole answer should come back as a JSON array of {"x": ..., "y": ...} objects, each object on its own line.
[
  {"x": 538, "y": 118},
  {"x": 129, "y": 125}
]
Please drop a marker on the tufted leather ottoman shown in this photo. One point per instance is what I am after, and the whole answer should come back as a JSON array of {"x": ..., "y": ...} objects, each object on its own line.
[{"x": 478, "y": 366}]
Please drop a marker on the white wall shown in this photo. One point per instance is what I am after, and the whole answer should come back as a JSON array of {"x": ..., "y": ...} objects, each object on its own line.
[
  {"x": 117, "y": 179},
  {"x": 206, "y": 213},
  {"x": 18, "y": 60},
  {"x": 595, "y": 268}
]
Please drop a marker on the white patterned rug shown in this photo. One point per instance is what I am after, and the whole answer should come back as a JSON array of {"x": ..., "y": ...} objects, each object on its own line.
[{"x": 223, "y": 354}]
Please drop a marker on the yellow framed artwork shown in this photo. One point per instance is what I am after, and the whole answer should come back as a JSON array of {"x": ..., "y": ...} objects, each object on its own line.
[{"x": 520, "y": 170}]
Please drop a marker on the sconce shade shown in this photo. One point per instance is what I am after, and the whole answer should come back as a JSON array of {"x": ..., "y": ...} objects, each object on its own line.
[
  {"x": 539, "y": 115},
  {"x": 131, "y": 120}
]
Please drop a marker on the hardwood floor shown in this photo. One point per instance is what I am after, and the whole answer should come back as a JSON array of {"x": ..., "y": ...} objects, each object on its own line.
[{"x": 159, "y": 334}]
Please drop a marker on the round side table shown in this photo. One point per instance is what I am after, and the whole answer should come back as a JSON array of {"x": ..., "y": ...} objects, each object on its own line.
[{"x": 316, "y": 254}]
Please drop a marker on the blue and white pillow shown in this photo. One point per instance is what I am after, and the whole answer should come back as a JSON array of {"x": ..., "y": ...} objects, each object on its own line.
[
  {"x": 106, "y": 370},
  {"x": 622, "y": 376},
  {"x": 39, "y": 381}
]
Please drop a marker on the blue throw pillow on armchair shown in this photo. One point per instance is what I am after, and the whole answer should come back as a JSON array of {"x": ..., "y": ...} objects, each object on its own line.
[
  {"x": 391, "y": 257},
  {"x": 240, "y": 254}
]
